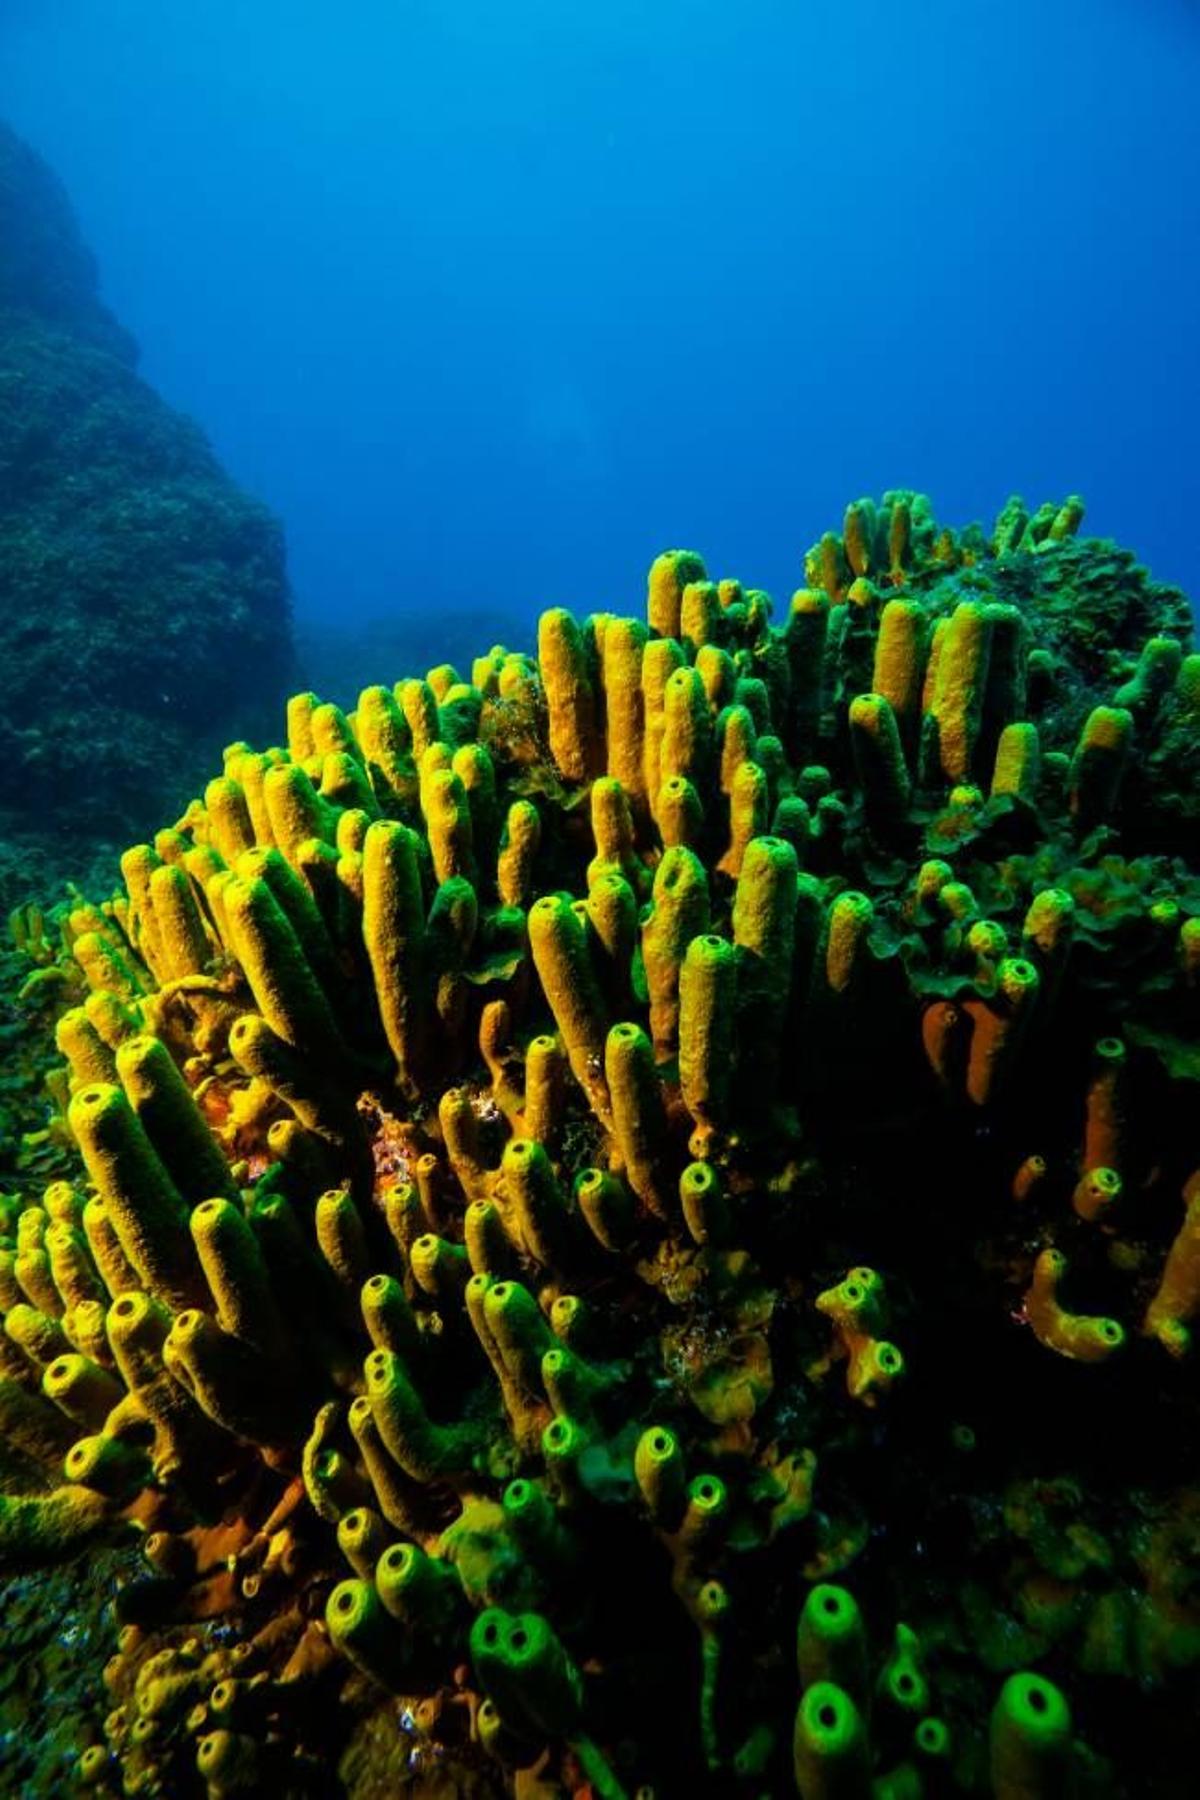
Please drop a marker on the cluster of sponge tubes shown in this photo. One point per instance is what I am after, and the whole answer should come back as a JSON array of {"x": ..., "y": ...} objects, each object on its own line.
[{"x": 431, "y": 1065}]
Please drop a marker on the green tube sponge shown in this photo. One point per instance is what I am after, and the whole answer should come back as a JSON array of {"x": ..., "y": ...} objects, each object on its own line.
[
  {"x": 389, "y": 1318},
  {"x": 533, "y": 1519},
  {"x": 612, "y": 913},
  {"x": 327, "y": 1121},
  {"x": 396, "y": 1494},
  {"x": 639, "y": 1119},
  {"x": 624, "y": 644},
  {"x": 236, "y": 1273},
  {"x": 1030, "y": 1741},
  {"x": 72, "y": 1269},
  {"x": 184, "y": 1439},
  {"x": 363, "y": 1631},
  {"x": 421, "y": 1592},
  {"x": 831, "y": 1641},
  {"x": 699, "y": 614},
  {"x": 805, "y": 639},
  {"x": 332, "y": 1483},
  {"x": 29, "y": 1425},
  {"x": 342, "y": 1239},
  {"x": 659, "y": 1468},
  {"x": 448, "y": 824},
  {"x": 440, "y": 1267},
  {"x": 513, "y": 1375},
  {"x": 362, "y": 1539},
  {"x": 1156, "y": 674},
  {"x": 523, "y": 1667},
  {"x": 679, "y": 814},
  {"x": 705, "y": 1517},
  {"x": 230, "y": 1383},
  {"x": 574, "y": 734},
  {"x": 418, "y": 704},
  {"x": 105, "y": 968},
  {"x": 711, "y": 1612},
  {"x": 1106, "y": 1122},
  {"x": 562, "y": 961},
  {"x": 519, "y": 842},
  {"x": 299, "y": 907},
  {"x": 736, "y": 737},
  {"x": 394, "y": 932},
  {"x": 1176, "y": 1301},
  {"x": 661, "y": 658},
  {"x": 539, "y": 1207},
  {"x": 686, "y": 749},
  {"x": 286, "y": 991},
  {"x": 424, "y": 1450},
  {"x": 546, "y": 1089},
  {"x": 933, "y": 1748},
  {"x": 81, "y": 1389},
  {"x": 145, "y": 1207},
  {"x": 848, "y": 925},
  {"x": 670, "y": 574},
  {"x": 608, "y": 1208},
  {"x": 36, "y": 1333},
  {"x": 678, "y": 912},
  {"x": 573, "y": 1386},
  {"x": 229, "y": 817},
  {"x": 749, "y": 814},
  {"x": 109, "y": 1467},
  {"x": 385, "y": 741},
  {"x": 858, "y": 536},
  {"x": 879, "y": 756},
  {"x": 1099, "y": 763},
  {"x": 490, "y": 1247},
  {"x": 764, "y": 914},
  {"x": 705, "y": 1211},
  {"x": 1078, "y": 1336},
  {"x": 960, "y": 685},
  {"x": 295, "y": 809},
  {"x": 829, "y": 1746},
  {"x": 902, "y": 1684},
  {"x": 344, "y": 783},
  {"x": 1017, "y": 768},
  {"x": 706, "y": 1029},
  {"x": 86, "y": 1052},
  {"x": 999, "y": 1025},
  {"x": 612, "y": 829},
  {"x": 520, "y": 1332},
  {"x": 1096, "y": 1195},
  {"x": 499, "y": 1741}
]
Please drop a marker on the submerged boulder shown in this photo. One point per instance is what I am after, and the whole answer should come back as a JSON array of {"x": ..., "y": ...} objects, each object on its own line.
[{"x": 144, "y": 601}]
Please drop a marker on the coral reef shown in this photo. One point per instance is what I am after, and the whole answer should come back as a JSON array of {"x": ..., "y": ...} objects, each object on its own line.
[
  {"x": 144, "y": 606},
  {"x": 641, "y": 1227}
]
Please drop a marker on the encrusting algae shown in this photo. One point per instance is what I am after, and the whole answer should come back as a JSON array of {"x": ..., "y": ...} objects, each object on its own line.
[{"x": 639, "y": 1230}]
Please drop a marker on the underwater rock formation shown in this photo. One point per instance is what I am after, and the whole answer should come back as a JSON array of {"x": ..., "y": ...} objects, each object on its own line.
[
  {"x": 144, "y": 606},
  {"x": 641, "y": 1230}
]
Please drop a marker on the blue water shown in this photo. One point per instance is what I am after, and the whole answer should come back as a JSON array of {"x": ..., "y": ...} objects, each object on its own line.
[{"x": 491, "y": 302}]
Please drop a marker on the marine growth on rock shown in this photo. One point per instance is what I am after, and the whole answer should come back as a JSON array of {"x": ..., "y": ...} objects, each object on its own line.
[
  {"x": 639, "y": 1224},
  {"x": 144, "y": 601}
]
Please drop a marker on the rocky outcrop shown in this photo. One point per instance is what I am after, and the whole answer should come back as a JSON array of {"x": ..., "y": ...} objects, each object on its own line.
[{"x": 144, "y": 602}]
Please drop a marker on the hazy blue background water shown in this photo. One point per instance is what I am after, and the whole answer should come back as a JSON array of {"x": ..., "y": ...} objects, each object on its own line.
[{"x": 491, "y": 302}]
